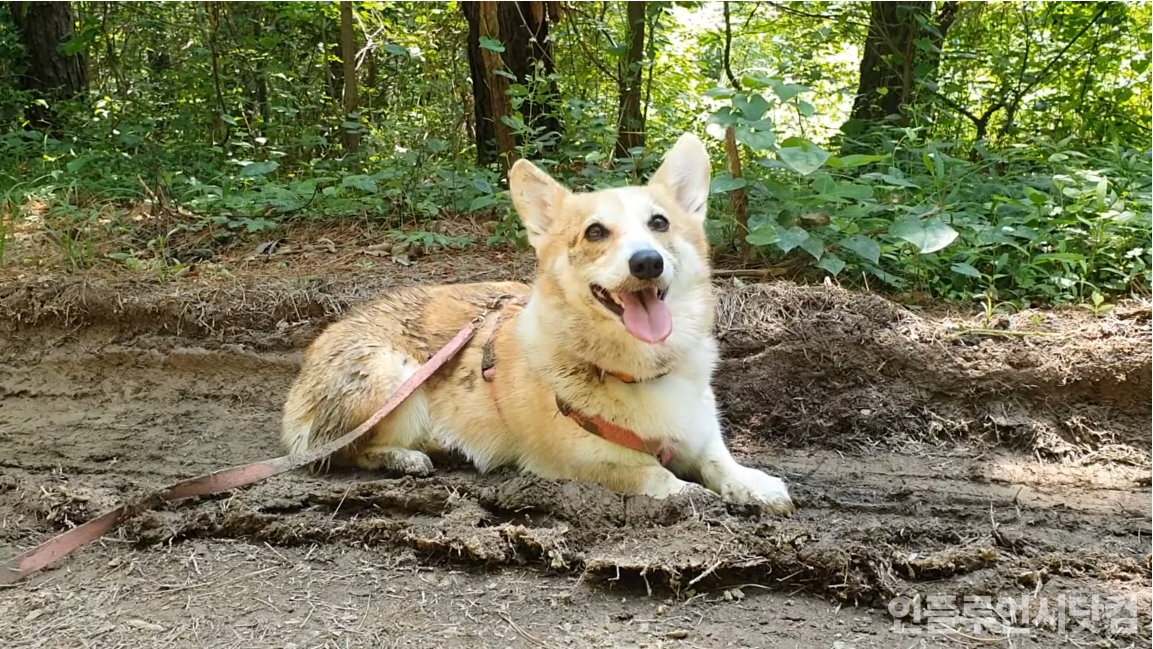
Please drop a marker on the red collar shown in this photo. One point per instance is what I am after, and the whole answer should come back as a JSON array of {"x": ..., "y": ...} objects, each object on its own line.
[
  {"x": 616, "y": 434},
  {"x": 594, "y": 424}
]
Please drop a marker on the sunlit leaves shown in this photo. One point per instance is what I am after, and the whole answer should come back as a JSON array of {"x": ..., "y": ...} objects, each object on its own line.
[
  {"x": 256, "y": 169},
  {"x": 803, "y": 156},
  {"x": 928, "y": 235}
]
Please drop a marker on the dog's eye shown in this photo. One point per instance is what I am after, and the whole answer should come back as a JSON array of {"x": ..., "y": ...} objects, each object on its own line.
[
  {"x": 596, "y": 232},
  {"x": 658, "y": 223}
]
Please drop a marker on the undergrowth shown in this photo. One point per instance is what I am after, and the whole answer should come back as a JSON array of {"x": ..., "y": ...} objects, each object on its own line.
[{"x": 1043, "y": 222}]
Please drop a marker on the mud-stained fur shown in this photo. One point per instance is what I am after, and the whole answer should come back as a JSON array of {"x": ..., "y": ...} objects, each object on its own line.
[{"x": 622, "y": 290}]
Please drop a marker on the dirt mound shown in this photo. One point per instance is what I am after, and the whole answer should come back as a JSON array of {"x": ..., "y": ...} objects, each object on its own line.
[
  {"x": 802, "y": 364},
  {"x": 823, "y": 365},
  {"x": 859, "y": 545}
]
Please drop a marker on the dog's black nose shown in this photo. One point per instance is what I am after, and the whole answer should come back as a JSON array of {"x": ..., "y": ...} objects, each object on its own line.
[{"x": 646, "y": 264}]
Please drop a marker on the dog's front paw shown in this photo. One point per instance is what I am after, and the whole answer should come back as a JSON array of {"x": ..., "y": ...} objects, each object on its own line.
[
  {"x": 745, "y": 486},
  {"x": 662, "y": 484},
  {"x": 404, "y": 461}
]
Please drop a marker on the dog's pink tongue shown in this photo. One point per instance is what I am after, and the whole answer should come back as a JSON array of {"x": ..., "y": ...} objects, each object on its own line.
[{"x": 647, "y": 316}]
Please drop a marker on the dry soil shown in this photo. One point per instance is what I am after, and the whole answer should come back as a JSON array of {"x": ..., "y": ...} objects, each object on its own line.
[{"x": 931, "y": 453}]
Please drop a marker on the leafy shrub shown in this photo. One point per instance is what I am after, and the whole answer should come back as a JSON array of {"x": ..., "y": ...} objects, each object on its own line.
[{"x": 1041, "y": 222}]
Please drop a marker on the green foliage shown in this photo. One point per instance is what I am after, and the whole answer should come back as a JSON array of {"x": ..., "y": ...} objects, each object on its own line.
[
  {"x": 1057, "y": 69},
  {"x": 1020, "y": 173},
  {"x": 1040, "y": 222}
]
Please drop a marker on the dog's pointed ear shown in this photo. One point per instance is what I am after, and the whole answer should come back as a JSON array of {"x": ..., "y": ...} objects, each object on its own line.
[
  {"x": 536, "y": 197},
  {"x": 686, "y": 174}
]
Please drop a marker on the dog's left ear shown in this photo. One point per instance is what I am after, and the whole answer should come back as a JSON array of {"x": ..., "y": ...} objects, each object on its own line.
[
  {"x": 537, "y": 197},
  {"x": 686, "y": 173}
]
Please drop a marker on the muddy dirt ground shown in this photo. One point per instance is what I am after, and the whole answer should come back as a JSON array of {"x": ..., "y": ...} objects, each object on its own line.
[{"x": 930, "y": 455}]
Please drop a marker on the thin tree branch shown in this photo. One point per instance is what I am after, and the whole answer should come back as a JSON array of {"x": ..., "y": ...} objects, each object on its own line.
[
  {"x": 728, "y": 48},
  {"x": 1045, "y": 71},
  {"x": 595, "y": 60},
  {"x": 783, "y": 8}
]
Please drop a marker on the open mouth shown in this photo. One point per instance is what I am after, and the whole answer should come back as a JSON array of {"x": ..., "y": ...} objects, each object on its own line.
[{"x": 644, "y": 312}]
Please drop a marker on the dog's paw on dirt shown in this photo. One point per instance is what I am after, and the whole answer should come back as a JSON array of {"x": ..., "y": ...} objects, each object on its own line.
[
  {"x": 747, "y": 486},
  {"x": 400, "y": 461}
]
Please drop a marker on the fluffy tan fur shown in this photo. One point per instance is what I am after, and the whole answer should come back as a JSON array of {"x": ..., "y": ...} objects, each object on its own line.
[{"x": 553, "y": 347}]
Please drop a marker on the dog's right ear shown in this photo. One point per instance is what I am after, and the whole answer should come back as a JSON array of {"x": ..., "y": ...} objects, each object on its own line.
[{"x": 537, "y": 197}]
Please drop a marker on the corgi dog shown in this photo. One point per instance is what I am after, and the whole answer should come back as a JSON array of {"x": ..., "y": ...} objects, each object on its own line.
[{"x": 599, "y": 372}]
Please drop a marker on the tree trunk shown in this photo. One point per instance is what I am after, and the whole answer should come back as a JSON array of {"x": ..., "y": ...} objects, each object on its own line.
[
  {"x": 481, "y": 105},
  {"x": 348, "y": 69},
  {"x": 489, "y": 15},
  {"x": 330, "y": 47},
  {"x": 733, "y": 152},
  {"x": 371, "y": 77},
  {"x": 51, "y": 74},
  {"x": 523, "y": 31},
  {"x": 740, "y": 200},
  {"x": 630, "y": 120},
  {"x": 889, "y": 63}
]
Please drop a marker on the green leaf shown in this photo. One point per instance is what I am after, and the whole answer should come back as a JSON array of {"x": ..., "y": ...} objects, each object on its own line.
[
  {"x": 898, "y": 181},
  {"x": 723, "y": 117},
  {"x": 765, "y": 235},
  {"x": 863, "y": 246},
  {"x": 779, "y": 190},
  {"x": 256, "y": 225},
  {"x": 1102, "y": 193},
  {"x": 833, "y": 264},
  {"x": 806, "y": 109},
  {"x": 965, "y": 269},
  {"x": 720, "y": 92},
  {"x": 726, "y": 183},
  {"x": 481, "y": 202},
  {"x": 256, "y": 169},
  {"x": 855, "y": 160},
  {"x": 491, "y": 44},
  {"x": 763, "y": 125},
  {"x": 934, "y": 163},
  {"x": 803, "y": 156},
  {"x": 363, "y": 183},
  {"x": 1035, "y": 197},
  {"x": 619, "y": 50},
  {"x": 1066, "y": 257},
  {"x": 831, "y": 189},
  {"x": 855, "y": 191},
  {"x": 751, "y": 107},
  {"x": 813, "y": 245},
  {"x": 927, "y": 236},
  {"x": 786, "y": 91},
  {"x": 756, "y": 140},
  {"x": 514, "y": 122},
  {"x": 756, "y": 81},
  {"x": 791, "y": 238}
]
